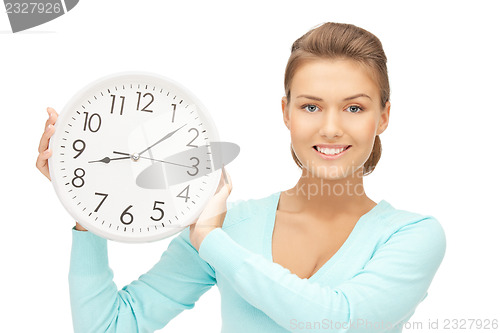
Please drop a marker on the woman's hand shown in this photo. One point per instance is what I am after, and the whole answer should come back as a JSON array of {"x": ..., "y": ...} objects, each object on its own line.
[
  {"x": 214, "y": 213},
  {"x": 44, "y": 152}
]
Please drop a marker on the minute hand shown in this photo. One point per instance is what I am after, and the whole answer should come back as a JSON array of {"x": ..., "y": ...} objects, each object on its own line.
[{"x": 164, "y": 138}]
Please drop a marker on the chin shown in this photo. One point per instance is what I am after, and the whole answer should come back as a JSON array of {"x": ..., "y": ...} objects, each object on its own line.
[{"x": 325, "y": 171}]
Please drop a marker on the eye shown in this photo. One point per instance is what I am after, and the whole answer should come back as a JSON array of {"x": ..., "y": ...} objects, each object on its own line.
[
  {"x": 354, "y": 108},
  {"x": 310, "y": 107}
]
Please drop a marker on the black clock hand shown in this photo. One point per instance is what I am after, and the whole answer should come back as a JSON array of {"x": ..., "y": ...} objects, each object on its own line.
[
  {"x": 120, "y": 153},
  {"x": 164, "y": 138},
  {"x": 107, "y": 159}
]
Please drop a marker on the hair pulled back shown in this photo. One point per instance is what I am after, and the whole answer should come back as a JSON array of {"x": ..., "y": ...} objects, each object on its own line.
[{"x": 342, "y": 41}]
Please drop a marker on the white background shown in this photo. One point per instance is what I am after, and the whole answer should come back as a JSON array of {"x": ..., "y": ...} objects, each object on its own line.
[{"x": 440, "y": 151}]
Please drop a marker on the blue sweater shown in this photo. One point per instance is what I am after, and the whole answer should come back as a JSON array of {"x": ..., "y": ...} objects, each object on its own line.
[{"x": 372, "y": 284}]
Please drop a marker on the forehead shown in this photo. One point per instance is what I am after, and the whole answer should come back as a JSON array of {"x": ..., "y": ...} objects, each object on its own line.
[{"x": 334, "y": 78}]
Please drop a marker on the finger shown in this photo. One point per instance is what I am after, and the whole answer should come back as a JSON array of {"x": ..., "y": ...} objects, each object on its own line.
[
  {"x": 228, "y": 185},
  {"x": 41, "y": 163},
  {"x": 44, "y": 141},
  {"x": 52, "y": 116},
  {"x": 48, "y": 131},
  {"x": 224, "y": 180},
  {"x": 221, "y": 182},
  {"x": 227, "y": 178}
]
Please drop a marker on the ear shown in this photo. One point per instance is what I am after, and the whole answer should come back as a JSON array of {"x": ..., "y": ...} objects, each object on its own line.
[
  {"x": 284, "y": 109},
  {"x": 384, "y": 118}
]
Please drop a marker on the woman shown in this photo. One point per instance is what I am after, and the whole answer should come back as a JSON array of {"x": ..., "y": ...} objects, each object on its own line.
[{"x": 319, "y": 256}]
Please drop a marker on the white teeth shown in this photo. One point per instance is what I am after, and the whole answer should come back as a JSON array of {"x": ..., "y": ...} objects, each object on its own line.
[{"x": 329, "y": 151}]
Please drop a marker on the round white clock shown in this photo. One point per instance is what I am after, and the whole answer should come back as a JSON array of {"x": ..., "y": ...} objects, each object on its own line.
[{"x": 133, "y": 157}]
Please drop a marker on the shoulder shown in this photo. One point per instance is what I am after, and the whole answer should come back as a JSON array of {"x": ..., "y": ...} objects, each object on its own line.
[
  {"x": 412, "y": 230},
  {"x": 243, "y": 209},
  {"x": 397, "y": 219}
]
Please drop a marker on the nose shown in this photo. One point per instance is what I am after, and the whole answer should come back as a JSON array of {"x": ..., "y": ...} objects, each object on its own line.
[{"x": 331, "y": 125}]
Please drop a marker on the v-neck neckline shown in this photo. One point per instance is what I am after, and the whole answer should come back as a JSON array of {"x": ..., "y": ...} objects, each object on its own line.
[{"x": 271, "y": 223}]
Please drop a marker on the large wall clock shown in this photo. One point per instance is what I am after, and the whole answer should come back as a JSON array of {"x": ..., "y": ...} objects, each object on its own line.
[{"x": 136, "y": 157}]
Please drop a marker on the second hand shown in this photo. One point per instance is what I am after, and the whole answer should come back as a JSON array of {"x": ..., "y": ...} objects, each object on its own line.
[{"x": 152, "y": 159}]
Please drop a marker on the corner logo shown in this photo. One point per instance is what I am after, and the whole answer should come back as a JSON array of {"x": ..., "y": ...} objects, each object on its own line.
[{"x": 28, "y": 14}]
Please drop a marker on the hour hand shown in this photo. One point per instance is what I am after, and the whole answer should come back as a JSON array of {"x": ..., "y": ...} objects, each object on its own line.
[{"x": 107, "y": 159}]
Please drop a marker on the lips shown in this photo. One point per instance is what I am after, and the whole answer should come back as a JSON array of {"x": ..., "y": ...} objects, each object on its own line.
[
  {"x": 336, "y": 147},
  {"x": 331, "y": 155},
  {"x": 321, "y": 145}
]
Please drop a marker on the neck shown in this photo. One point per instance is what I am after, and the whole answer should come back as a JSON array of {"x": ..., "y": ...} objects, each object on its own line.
[{"x": 324, "y": 198}]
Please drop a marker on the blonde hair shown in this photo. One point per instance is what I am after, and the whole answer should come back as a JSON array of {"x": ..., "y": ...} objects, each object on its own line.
[{"x": 342, "y": 41}]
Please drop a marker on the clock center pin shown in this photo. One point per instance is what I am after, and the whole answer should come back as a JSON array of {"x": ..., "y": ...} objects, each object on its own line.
[{"x": 135, "y": 157}]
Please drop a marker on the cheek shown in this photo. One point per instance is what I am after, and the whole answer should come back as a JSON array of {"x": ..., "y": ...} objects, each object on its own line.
[
  {"x": 296, "y": 135},
  {"x": 300, "y": 127},
  {"x": 364, "y": 130},
  {"x": 370, "y": 130}
]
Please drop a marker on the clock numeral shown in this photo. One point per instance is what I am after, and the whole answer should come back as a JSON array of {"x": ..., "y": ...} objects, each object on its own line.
[
  {"x": 88, "y": 121},
  {"x": 186, "y": 197},
  {"x": 173, "y": 112},
  {"x": 105, "y": 196},
  {"x": 78, "y": 177},
  {"x": 113, "y": 104},
  {"x": 162, "y": 213},
  {"x": 80, "y": 151},
  {"x": 194, "y": 166},
  {"x": 139, "y": 101},
  {"x": 197, "y": 134},
  {"x": 128, "y": 215}
]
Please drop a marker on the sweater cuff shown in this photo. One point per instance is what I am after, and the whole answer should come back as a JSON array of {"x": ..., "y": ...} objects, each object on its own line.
[
  {"x": 222, "y": 252},
  {"x": 89, "y": 253}
]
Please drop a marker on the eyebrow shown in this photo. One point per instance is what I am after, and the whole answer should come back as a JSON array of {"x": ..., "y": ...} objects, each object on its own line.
[{"x": 345, "y": 99}]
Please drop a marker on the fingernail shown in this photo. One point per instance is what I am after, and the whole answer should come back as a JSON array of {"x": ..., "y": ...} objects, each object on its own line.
[{"x": 48, "y": 128}]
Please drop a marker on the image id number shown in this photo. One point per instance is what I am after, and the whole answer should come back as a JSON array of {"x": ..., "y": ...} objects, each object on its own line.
[
  {"x": 467, "y": 324},
  {"x": 32, "y": 7}
]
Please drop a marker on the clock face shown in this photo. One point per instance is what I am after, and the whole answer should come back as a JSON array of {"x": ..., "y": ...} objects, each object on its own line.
[{"x": 132, "y": 157}]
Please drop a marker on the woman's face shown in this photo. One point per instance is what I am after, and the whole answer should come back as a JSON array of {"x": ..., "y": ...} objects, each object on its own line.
[{"x": 326, "y": 108}]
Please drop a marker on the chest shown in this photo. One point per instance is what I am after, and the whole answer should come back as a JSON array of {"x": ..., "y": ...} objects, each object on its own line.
[{"x": 304, "y": 249}]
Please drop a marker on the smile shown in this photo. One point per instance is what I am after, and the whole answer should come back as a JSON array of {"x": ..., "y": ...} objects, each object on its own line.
[{"x": 331, "y": 153}]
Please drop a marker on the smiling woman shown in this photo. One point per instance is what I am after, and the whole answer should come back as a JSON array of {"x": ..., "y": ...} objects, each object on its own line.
[
  {"x": 322, "y": 109},
  {"x": 321, "y": 253},
  {"x": 332, "y": 41}
]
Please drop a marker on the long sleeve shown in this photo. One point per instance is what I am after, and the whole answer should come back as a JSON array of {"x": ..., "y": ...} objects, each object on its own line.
[
  {"x": 386, "y": 291},
  {"x": 174, "y": 284}
]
